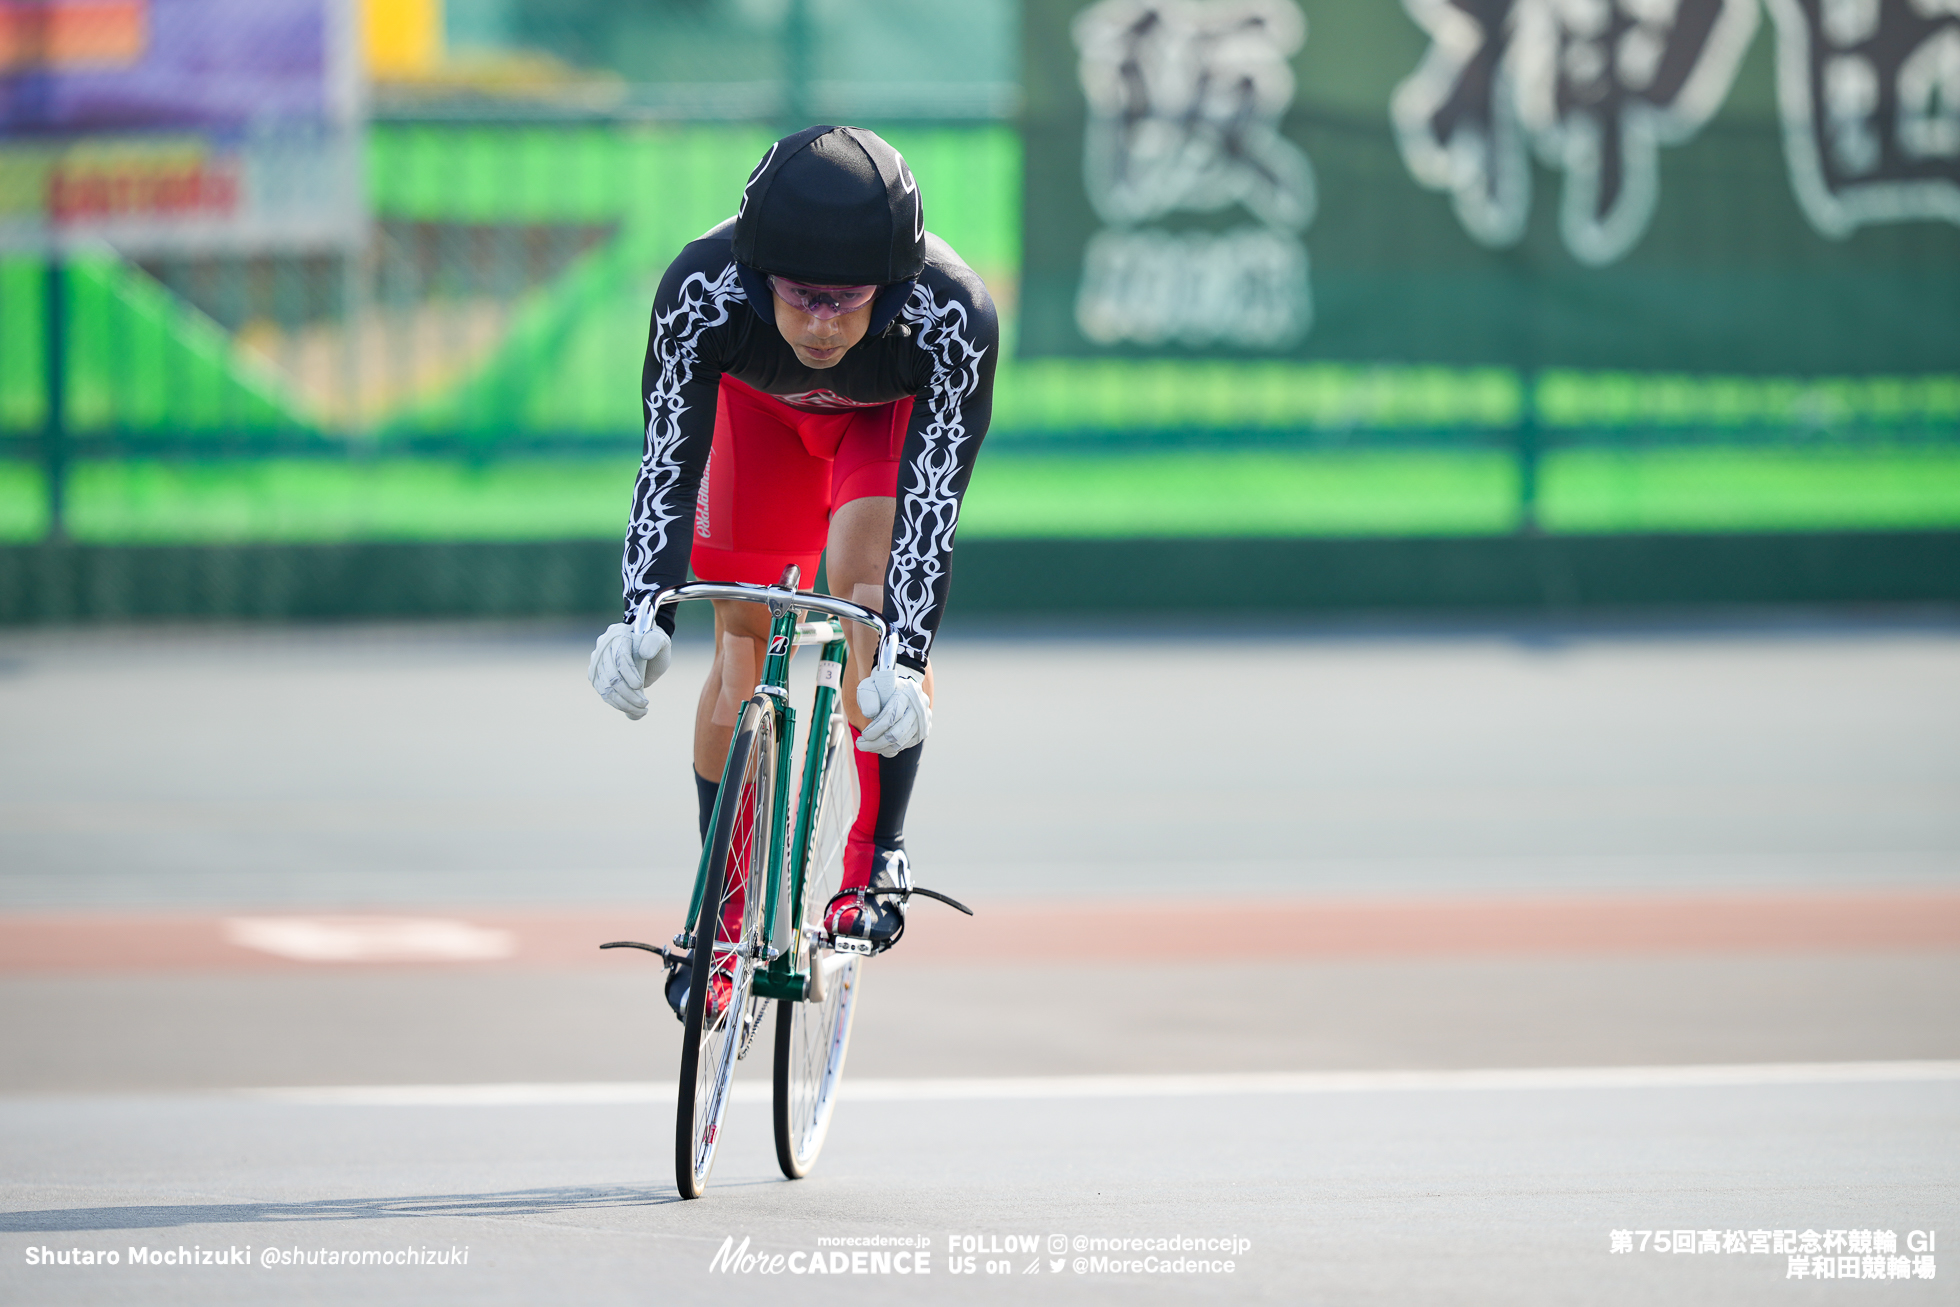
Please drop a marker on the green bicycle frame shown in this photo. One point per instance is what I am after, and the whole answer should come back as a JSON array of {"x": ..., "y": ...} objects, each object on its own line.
[{"x": 780, "y": 979}]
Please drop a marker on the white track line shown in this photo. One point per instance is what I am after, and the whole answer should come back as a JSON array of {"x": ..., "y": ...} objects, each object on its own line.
[{"x": 1144, "y": 1086}]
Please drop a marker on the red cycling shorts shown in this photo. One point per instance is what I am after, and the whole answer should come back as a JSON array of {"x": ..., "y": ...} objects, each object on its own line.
[{"x": 776, "y": 474}]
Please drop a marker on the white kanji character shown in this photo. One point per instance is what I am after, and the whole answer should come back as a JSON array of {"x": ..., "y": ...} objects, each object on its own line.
[
  {"x": 1898, "y": 1268},
  {"x": 1798, "y": 1268},
  {"x": 1885, "y": 1241},
  {"x": 1708, "y": 1241},
  {"x": 1684, "y": 1241},
  {"x": 1858, "y": 1241},
  {"x": 1870, "y": 99},
  {"x": 1922, "y": 1267},
  {"x": 1810, "y": 1241},
  {"x": 1759, "y": 1242},
  {"x": 1185, "y": 102},
  {"x": 1595, "y": 87},
  {"x": 1622, "y": 1241}
]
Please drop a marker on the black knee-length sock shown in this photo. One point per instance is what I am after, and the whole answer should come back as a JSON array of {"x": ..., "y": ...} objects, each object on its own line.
[{"x": 705, "y": 791}]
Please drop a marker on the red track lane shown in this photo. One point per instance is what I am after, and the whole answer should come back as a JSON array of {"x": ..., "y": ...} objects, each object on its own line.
[{"x": 1124, "y": 930}]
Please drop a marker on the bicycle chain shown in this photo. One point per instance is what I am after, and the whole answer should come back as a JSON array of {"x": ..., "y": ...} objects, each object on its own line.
[{"x": 748, "y": 1038}]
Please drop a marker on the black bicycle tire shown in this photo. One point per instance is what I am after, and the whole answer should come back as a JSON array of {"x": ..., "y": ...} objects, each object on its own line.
[
  {"x": 788, "y": 1015},
  {"x": 701, "y": 964}
]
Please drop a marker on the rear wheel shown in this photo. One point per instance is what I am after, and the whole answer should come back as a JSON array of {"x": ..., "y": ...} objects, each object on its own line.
[
  {"x": 727, "y": 941},
  {"x": 813, "y": 1036}
]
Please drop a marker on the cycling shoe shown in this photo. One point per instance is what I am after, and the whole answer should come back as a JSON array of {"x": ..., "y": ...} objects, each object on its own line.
[
  {"x": 719, "y": 986},
  {"x": 858, "y": 914}
]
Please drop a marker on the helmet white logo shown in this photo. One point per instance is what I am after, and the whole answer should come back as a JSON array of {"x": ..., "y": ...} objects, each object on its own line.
[
  {"x": 749, "y": 185},
  {"x": 911, "y": 188}
]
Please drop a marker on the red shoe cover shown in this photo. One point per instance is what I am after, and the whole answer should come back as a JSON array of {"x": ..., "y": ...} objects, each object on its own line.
[{"x": 858, "y": 849}]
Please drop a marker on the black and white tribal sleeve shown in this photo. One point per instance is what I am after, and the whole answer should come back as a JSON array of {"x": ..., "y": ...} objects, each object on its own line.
[
  {"x": 678, "y": 383},
  {"x": 956, "y": 330}
]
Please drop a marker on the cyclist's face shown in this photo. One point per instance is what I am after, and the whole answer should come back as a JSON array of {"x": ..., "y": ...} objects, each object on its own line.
[{"x": 820, "y": 342}]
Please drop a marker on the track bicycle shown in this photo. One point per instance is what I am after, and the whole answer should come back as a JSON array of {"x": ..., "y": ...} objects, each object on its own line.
[{"x": 772, "y": 864}]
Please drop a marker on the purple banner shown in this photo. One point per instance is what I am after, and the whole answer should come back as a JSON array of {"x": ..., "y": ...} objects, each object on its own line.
[
  {"x": 81, "y": 66},
  {"x": 180, "y": 124}
]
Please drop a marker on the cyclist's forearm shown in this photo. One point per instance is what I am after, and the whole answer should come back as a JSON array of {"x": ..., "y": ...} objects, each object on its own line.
[
  {"x": 679, "y": 381},
  {"x": 949, "y": 421}
]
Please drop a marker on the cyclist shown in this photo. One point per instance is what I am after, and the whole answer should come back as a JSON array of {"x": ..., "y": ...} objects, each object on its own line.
[{"x": 818, "y": 378}]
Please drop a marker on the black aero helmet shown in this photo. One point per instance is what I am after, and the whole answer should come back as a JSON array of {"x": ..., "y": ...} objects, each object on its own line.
[{"x": 835, "y": 206}]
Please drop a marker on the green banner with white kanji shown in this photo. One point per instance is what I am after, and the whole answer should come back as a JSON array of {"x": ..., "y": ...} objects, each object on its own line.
[{"x": 1753, "y": 186}]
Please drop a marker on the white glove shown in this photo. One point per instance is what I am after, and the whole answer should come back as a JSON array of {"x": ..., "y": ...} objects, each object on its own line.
[
  {"x": 623, "y": 664},
  {"x": 899, "y": 710}
]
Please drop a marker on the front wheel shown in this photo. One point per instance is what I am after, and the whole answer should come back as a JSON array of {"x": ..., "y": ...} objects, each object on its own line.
[
  {"x": 727, "y": 941},
  {"x": 813, "y": 1036}
]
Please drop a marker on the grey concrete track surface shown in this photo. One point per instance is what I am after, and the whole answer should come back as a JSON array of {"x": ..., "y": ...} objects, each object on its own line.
[
  {"x": 337, "y": 766},
  {"x": 1486, "y": 1197},
  {"x": 464, "y": 767},
  {"x": 103, "y": 1034}
]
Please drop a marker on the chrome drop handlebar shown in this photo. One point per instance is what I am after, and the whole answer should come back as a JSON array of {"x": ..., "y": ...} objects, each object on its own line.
[{"x": 780, "y": 599}]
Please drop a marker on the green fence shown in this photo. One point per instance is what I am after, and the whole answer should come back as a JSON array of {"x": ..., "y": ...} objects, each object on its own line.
[{"x": 470, "y": 378}]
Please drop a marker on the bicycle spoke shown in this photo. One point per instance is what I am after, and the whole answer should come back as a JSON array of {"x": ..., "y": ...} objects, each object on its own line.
[
  {"x": 729, "y": 931},
  {"x": 813, "y": 1036}
]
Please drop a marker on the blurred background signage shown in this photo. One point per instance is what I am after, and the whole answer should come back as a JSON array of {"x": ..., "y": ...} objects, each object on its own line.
[
  {"x": 1359, "y": 181},
  {"x": 179, "y": 125},
  {"x": 1184, "y": 103},
  {"x": 282, "y": 273}
]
